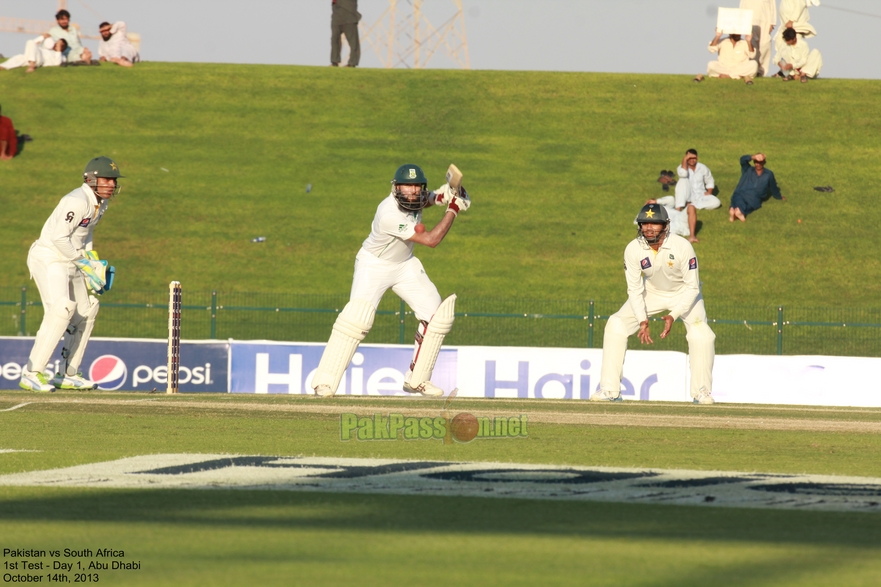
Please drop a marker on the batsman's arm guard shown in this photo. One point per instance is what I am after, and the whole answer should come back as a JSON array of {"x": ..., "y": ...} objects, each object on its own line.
[
  {"x": 350, "y": 328},
  {"x": 438, "y": 327}
]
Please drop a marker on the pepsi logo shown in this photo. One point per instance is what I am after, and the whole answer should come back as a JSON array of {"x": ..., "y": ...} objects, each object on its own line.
[{"x": 109, "y": 372}]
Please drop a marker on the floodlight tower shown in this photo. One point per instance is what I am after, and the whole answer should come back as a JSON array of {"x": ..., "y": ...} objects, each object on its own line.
[{"x": 404, "y": 37}]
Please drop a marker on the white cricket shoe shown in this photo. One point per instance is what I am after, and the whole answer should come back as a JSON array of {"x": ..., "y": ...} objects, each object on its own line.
[
  {"x": 426, "y": 388},
  {"x": 76, "y": 382},
  {"x": 704, "y": 398},
  {"x": 323, "y": 391},
  {"x": 606, "y": 396},
  {"x": 35, "y": 381}
]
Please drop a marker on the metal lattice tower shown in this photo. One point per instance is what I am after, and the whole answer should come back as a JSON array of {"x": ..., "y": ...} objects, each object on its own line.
[{"x": 404, "y": 37}]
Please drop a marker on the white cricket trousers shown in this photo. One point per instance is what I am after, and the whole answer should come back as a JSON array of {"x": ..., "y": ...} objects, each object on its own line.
[
  {"x": 623, "y": 324},
  {"x": 59, "y": 282},
  {"x": 374, "y": 276}
]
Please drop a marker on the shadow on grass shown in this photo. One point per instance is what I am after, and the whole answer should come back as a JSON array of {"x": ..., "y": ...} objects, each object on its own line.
[{"x": 327, "y": 511}]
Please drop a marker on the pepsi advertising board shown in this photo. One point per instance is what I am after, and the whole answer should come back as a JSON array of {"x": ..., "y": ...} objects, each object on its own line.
[
  {"x": 128, "y": 364},
  {"x": 277, "y": 367}
]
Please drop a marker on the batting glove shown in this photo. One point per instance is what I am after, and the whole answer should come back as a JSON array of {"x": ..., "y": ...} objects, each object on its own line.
[
  {"x": 443, "y": 195},
  {"x": 459, "y": 204}
]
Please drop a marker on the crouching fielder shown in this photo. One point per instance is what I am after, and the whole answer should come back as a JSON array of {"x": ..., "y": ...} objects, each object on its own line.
[
  {"x": 68, "y": 275},
  {"x": 662, "y": 274},
  {"x": 386, "y": 261}
]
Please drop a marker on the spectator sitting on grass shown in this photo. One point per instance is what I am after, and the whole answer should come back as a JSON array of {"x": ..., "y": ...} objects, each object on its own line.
[
  {"x": 39, "y": 52},
  {"x": 8, "y": 139},
  {"x": 75, "y": 51},
  {"x": 755, "y": 184},
  {"x": 115, "y": 46},
  {"x": 736, "y": 58}
]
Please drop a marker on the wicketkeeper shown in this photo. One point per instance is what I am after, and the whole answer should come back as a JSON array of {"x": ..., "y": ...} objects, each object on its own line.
[
  {"x": 386, "y": 261},
  {"x": 69, "y": 275},
  {"x": 662, "y": 275}
]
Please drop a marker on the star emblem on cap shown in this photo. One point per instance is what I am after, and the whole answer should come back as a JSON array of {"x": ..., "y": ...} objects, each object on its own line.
[
  {"x": 113, "y": 166},
  {"x": 650, "y": 213}
]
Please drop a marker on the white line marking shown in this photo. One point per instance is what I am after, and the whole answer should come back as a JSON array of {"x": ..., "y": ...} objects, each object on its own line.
[{"x": 16, "y": 407}]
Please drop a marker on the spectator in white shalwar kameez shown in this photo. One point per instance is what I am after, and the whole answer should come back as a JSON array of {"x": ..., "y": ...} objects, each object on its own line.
[
  {"x": 115, "y": 46},
  {"x": 794, "y": 15},
  {"x": 39, "y": 52},
  {"x": 764, "y": 21},
  {"x": 735, "y": 58},
  {"x": 797, "y": 61}
]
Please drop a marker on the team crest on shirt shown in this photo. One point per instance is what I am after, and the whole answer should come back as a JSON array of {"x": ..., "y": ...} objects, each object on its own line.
[
  {"x": 645, "y": 263},
  {"x": 692, "y": 263},
  {"x": 85, "y": 222}
]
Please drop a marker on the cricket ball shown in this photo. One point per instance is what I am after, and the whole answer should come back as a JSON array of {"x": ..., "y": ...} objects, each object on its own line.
[
  {"x": 420, "y": 228},
  {"x": 464, "y": 427}
]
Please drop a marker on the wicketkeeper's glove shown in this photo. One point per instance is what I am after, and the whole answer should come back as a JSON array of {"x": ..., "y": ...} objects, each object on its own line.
[
  {"x": 109, "y": 270},
  {"x": 94, "y": 272}
]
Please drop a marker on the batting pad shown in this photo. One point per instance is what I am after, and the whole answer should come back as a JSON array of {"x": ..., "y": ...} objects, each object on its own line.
[
  {"x": 439, "y": 326},
  {"x": 76, "y": 337},
  {"x": 350, "y": 328},
  {"x": 53, "y": 326}
]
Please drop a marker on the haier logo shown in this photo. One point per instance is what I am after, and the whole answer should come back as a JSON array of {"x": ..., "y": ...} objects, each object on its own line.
[
  {"x": 289, "y": 368},
  {"x": 109, "y": 372}
]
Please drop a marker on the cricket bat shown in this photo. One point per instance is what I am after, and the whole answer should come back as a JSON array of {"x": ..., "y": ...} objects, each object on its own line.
[{"x": 454, "y": 177}]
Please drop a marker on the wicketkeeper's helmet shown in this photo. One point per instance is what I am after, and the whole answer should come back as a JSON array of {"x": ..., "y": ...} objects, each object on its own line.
[
  {"x": 653, "y": 214},
  {"x": 412, "y": 175},
  {"x": 101, "y": 167}
]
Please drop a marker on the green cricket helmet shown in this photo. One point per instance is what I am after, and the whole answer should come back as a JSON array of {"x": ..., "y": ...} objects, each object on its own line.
[
  {"x": 101, "y": 167},
  {"x": 409, "y": 174},
  {"x": 653, "y": 214}
]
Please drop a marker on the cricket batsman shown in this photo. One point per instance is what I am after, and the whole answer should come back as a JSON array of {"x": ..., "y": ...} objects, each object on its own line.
[
  {"x": 69, "y": 276},
  {"x": 662, "y": 275},
  {"x": 386, "y": 261}
]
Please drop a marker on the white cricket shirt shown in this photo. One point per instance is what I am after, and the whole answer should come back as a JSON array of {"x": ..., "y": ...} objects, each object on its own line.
[
  {"x": 390, "y": 230},
  {"x": 69, "y": 228},
  {"x": 670, "y": 272}
]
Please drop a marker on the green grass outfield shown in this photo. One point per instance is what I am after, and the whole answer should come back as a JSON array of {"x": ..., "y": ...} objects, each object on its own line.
[
  {"x": 268, "y": 537},
  {"x": 557, "y": 163}
]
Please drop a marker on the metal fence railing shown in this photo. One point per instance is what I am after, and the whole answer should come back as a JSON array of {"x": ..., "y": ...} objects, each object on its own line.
[{"x": 740, "y": 329}]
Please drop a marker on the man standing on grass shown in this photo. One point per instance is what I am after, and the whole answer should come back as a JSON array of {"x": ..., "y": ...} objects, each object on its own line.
[
  {"x": 69, "y": 277},
  {"x": 764, "y": 21},
  {"x": 386, "y": 261},
  {"x": 662, "y": 275},
  {"x": 755, "y": 185},
  {"x": 344, "y": 21}
]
